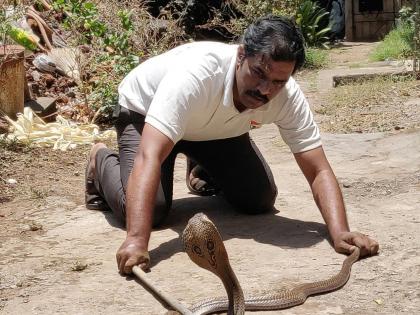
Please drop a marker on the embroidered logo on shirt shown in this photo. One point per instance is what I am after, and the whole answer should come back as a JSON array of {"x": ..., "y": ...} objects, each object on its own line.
[{"x": 254, "y": 124}]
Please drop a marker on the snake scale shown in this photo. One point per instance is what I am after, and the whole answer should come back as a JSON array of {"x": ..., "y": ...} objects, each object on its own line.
[{"x": 204, "y": 246}]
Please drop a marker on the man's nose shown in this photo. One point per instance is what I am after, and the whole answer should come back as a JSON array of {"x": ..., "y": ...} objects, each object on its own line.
[{"x": 264, "y": 87}]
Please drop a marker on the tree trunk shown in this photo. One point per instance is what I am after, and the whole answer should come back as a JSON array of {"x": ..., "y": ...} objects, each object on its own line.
[{"x": 12, "y": 80}]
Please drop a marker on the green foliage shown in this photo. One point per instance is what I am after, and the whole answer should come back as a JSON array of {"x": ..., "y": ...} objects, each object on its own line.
[
  {"x": 4, "y": 24},
  {"x": 104, "y": 95},
  {"x": 309, "y": 17},
  {"x": 13, "y": 144},
  {"x": 254, "y": 9},
  {"x": 83, "y": 16},
  {"x": 120, "y": 41},
  {"x": 406, "y": 15},
  {"x": 10, "y": 32},
  {"x": 116, "y": 58},
  {"x": 407, "y": 20},
  {"x": 316, "y": 58},
  {"x": 416, "y": 38},
  {"x": 397, "y": 44}
]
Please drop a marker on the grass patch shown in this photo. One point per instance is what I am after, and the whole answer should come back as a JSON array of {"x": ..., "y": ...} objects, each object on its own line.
[
  {"x": 370, "y": 106},
  {"x": 396, "y": 44},
  {"x": 316, "y": 58},
  {"x": 13, "y": 144}
]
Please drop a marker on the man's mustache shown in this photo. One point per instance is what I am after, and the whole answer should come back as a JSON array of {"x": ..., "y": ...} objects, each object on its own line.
[{"x": 257, "y": 95}]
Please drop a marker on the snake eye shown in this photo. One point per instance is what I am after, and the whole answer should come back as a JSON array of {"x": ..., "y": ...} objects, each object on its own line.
[
  {"x": 210, "y": 245},
  {"x": 197, "y": 250}
]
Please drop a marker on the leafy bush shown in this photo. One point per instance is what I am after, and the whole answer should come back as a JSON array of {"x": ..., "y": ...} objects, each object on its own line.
[
  {"x": 253, "y": 9},
  {"x": 309, "y": 17},
  {"x": 117, "y": 43},
  {"x": 399, "y": 43},
  {"x": 113, "y": 53}
]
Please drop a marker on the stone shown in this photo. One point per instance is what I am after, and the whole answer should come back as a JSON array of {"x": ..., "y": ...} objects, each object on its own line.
[{"x": 44, "y": 107}]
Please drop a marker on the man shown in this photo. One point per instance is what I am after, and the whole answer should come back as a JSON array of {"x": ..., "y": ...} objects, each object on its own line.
[{"x": 201, "y": 99}]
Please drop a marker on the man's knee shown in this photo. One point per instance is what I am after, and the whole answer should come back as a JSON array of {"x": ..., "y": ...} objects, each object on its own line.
[
  {"x": 160, "y": 213},
  {"x": 257, "y": 204}
]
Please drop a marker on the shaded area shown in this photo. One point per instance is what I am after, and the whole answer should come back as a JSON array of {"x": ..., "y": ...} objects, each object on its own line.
[{"x": 264, "y": 228}]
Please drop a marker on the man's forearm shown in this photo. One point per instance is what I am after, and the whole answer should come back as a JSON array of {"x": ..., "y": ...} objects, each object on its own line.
[
  {"x": 141, "y": 193},
  {"x": 328, "y": 197}
]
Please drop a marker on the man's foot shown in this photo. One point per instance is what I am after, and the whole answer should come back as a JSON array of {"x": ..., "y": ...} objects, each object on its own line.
[
  {"x": 199, "y": 182},
  {"x": 93, "y": 200}
]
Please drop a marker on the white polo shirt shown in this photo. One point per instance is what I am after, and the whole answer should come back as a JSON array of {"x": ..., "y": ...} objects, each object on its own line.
[{"x": 186, "y": 93}]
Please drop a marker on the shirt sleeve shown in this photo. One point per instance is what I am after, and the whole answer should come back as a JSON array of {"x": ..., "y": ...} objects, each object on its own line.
[
  {"x": 296, "y": 122},
  {"x": 182, "y": 91}
]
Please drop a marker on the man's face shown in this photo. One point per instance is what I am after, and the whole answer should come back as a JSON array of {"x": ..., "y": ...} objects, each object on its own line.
[{"x": 258, "y": 79}]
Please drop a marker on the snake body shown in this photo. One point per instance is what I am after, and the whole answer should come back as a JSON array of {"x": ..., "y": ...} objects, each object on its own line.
[{"x": 204, "y": 246}]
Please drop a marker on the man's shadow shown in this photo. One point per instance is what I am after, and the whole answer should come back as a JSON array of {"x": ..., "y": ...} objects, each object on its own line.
[{"x": 266, "y": 228}]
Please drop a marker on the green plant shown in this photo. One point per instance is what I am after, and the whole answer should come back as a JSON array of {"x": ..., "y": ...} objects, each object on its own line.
[
  {"x": 416, "y": 40},
  {"x": 316, "y": 58},
  {"x": 397, "y": 44},
  {"x": 13, "y": 144},
  {"x": 114, "y": 53},
  {"x": 370, "y": 105},
  {"x": 309, "y": 17},
  {"x": 103, "y": 95},
  {"x": 406, "y": 15},
  {"x": 253, "y": 9},
  {"x": 82, "y": 16},
  {"x": 120, "y": 41}
]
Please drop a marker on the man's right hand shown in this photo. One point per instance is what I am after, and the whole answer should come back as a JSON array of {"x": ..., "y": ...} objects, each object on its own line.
[{"x": 131, "y": 253}]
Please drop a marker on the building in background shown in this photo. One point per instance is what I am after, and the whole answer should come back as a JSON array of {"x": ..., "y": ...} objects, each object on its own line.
[{"x": 367, "y": 20}]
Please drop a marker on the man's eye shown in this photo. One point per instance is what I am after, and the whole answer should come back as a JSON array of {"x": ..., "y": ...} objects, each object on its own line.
[{"x": 258, "y": 73}]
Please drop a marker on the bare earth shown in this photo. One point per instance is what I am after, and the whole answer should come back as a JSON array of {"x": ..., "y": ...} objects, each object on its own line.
[{"x": 59, "y": 258}]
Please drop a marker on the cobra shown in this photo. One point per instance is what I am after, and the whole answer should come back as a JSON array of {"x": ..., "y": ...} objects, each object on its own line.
[{"x": 205, "y": 247}]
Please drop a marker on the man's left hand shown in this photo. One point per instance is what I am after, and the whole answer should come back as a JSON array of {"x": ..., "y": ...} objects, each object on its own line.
[{"x": 346, "y": 241}]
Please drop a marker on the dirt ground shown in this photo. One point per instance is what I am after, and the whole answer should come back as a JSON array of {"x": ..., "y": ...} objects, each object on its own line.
[{"x": 59, "y": 258}]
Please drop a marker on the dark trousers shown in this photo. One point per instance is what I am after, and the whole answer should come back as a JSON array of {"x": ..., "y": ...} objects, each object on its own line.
[{"x": 235, "y": 164}]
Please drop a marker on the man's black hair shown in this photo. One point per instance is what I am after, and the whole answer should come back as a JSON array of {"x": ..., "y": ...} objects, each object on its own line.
[{"x": 276, "y": 37}]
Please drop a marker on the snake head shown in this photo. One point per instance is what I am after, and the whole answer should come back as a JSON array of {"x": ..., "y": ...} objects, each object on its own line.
[{"x": 203, "y": 243}]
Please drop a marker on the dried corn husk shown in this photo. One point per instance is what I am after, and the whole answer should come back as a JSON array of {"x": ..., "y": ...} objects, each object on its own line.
[{"x": 60, "y": 135}]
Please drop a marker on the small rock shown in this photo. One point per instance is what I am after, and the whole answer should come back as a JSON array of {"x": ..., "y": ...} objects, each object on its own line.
[
  {"x": 49, "y": 79},
  {"x": 36, "y": 76},
  {"x": 11, "y": 181},
  {"x": 33, "y": 226},
  {"x": 379, "y": 301},
  {"x": 346, "y": 185},
  {"x": 63, "y": 99},
  {"x": 78, "y": 266},
  {"x": 71, "y": 94}
]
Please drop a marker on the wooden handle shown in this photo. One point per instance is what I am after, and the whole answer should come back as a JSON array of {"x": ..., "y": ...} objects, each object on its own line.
[{"x": 141, "y": 275}]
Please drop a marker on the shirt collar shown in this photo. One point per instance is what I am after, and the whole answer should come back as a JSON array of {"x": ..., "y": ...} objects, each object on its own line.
[{"x": 230, "y": 79}]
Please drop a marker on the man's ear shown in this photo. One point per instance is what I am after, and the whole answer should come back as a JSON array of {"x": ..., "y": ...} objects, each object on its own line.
[{"x": 241, "y": 54}]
